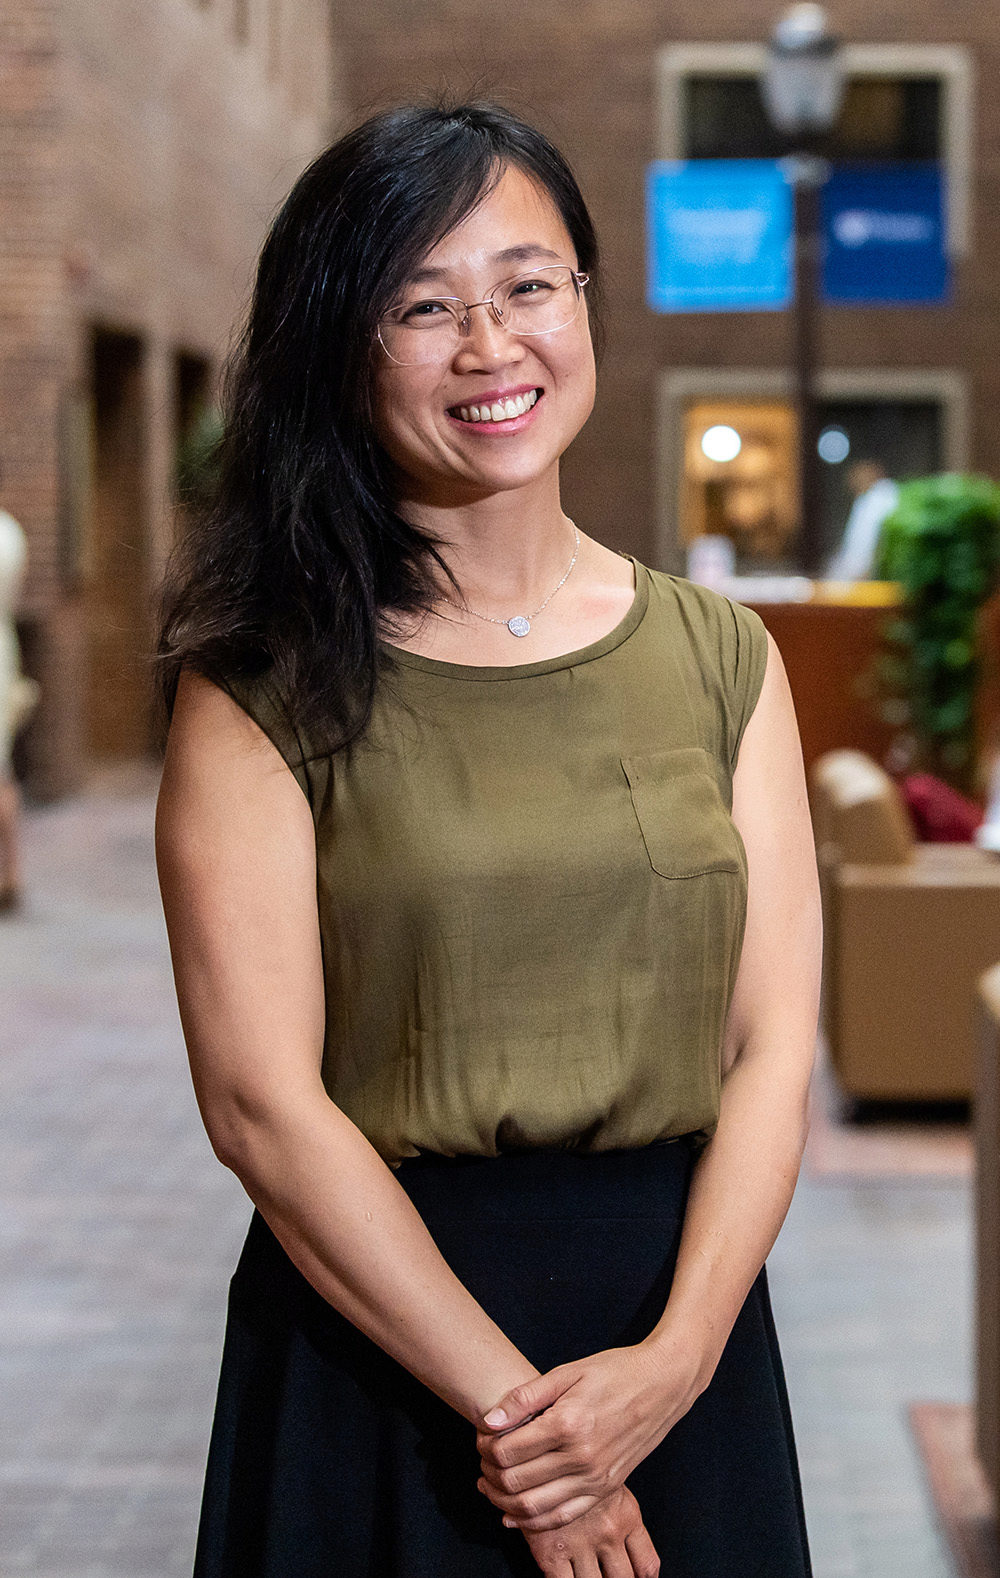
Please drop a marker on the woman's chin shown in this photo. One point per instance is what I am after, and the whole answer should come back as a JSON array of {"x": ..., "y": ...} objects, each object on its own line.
[{"x": 460, "y": 488}]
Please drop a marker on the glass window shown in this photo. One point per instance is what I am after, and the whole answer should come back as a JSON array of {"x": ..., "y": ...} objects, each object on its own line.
[
  {"x": 882, "y": 118},
  {"x": 740, "y": 481},
  {"x": 740, "y": 469},
  {"x": 900, "y": 438}
]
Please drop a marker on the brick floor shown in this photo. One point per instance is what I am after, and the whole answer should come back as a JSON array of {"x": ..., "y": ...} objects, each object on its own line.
[{"x": 118, "y": 1232}]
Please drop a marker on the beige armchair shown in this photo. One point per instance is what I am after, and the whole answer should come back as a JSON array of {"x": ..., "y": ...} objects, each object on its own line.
[{"x": 908, "y": 929}]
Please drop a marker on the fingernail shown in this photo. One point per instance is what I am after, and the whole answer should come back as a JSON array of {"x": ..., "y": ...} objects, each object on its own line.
[
  {"x": 509, "y": 1523},
  {"x": 496, "y": 1416}
]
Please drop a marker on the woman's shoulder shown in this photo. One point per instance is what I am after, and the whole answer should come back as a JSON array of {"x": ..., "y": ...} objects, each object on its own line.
[
  {"x": 706, "y": 617},
  {"x": 259, "y": 697},
  {"x": 723, "y": 640}
]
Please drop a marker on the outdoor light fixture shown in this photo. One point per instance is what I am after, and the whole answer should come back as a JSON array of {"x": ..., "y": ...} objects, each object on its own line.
[
  {"x": 803, "y": 82},
  {"x": 802, "y": 86}
]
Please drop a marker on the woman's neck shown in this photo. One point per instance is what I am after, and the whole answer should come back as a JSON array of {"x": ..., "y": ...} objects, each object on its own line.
[
  {"x": 508, "y": 553},
  {"x": 503, "y": 550}
]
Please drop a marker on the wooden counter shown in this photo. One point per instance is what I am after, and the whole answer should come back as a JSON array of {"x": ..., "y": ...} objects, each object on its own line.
[{"x": 829, "y": 651}]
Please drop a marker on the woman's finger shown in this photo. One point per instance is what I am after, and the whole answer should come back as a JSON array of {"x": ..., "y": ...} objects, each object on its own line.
[
  {"x": 616, "y": 1563},
  {"x": 642, "y": 1554},
  {"x": 531, "y": 1397},
  {"x": 539, "y": 1501},
  {"x": 524, "y": 1476},
  {"x": 586, "y": 1565},
  {"x": 557, "y": 1519},
  {"x": 521, "y": 1445}
]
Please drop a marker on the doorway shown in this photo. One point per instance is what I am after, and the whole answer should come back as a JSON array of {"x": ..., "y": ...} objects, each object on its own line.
[{"x": 116, "y": 590}]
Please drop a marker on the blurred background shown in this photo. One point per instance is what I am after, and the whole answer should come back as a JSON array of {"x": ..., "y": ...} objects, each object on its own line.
[{"x": 799, "y": 405}]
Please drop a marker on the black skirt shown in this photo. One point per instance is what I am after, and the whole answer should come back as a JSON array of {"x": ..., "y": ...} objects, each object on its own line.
[{"x": 328, "y": 1458}]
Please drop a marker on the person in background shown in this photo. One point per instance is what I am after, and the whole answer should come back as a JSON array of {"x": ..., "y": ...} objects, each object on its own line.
[
  {"x": 13, "y": 557},
  {"x": 875, "y": 498}
]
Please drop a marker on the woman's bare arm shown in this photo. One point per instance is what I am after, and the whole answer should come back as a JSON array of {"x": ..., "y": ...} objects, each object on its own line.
[{"x": 235, "y": 849}]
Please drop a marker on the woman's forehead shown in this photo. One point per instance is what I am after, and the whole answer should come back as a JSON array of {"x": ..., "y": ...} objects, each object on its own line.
[
  {"x": 517, "y": 225},
  {"x": 523, "y": 255}
]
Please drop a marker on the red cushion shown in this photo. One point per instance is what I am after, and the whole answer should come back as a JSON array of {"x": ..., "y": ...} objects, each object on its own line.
[{"x": 939, "y": 813}]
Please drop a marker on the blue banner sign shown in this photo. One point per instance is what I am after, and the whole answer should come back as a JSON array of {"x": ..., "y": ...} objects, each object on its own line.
[
  {"x": 884, "y": 235},
  {"x": 719, "y": 236}
]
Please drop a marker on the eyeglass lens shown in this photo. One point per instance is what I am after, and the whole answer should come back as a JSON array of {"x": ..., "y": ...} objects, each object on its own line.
[{"x": 429, "y": 329}]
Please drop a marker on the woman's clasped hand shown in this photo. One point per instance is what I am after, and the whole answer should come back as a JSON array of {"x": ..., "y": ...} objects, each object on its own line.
[
  {"x": 609, "y": 1541},
  {"x": 557, "y": 1447}
]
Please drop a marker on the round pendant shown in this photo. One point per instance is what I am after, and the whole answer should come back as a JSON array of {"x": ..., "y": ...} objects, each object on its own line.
[{"x": 519, "y": 625}]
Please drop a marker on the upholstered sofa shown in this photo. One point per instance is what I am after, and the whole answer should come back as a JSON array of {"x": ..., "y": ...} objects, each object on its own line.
[{"x": 908, "y": 929}]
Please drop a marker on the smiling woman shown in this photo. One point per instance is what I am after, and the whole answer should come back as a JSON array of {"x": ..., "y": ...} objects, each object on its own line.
[{"x": 476, "y": 959}]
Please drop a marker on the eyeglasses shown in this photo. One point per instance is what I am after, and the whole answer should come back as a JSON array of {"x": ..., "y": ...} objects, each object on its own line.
[{"x": 430, "y": 329}]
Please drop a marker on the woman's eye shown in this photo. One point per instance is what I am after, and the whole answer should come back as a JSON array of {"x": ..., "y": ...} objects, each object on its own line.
[
  {"x": 531, "y": 287},
  {"x": 421, "y": 310}
]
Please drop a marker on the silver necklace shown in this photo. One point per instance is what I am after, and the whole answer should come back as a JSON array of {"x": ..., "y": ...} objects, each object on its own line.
[{"x": 520, "y": 624}]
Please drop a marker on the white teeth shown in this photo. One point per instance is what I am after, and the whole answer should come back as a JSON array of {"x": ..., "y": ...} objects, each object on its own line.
[{"x": 500, "y": 411}]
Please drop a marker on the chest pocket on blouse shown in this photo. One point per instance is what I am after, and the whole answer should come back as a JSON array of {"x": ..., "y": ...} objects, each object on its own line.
[{"x": 684, "y": 822}]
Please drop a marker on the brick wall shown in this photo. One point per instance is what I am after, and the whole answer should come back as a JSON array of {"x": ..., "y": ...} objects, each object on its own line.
[{"x": 144, "y": 146}]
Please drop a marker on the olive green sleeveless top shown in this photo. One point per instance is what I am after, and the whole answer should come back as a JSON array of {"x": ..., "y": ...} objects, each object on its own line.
[{"x": 531, "y": 892}]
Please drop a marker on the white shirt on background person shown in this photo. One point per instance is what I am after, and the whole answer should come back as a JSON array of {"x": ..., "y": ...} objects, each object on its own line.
[{"x": 855, "y": 557}]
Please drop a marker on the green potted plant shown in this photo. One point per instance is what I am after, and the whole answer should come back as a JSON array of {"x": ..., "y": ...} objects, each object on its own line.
[{"x": 942, "y": 545}]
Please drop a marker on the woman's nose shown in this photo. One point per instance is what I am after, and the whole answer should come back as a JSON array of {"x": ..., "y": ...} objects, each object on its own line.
[{"x": 485, "y": 339}]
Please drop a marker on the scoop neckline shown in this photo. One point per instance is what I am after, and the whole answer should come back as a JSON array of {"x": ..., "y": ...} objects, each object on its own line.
[{"x": 501, "y": 671}]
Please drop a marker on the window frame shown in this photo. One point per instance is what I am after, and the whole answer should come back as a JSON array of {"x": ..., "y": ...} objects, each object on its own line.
[
  {"x": 951, "y": 64},
  {"x": 947, "y": 387}
]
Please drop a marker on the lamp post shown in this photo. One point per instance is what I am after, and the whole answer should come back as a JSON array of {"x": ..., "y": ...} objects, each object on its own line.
[{"x": 803, "y": 87}]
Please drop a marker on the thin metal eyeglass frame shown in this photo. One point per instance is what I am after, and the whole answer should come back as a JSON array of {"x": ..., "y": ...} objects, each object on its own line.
[{"x": 465, "y": 323}]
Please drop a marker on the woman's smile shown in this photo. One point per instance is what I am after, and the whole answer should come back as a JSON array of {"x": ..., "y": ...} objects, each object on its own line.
[{"x": 498, "y": 412}]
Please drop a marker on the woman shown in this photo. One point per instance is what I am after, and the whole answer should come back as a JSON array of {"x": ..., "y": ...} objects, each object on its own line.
[{"x": 458, "y": 819}]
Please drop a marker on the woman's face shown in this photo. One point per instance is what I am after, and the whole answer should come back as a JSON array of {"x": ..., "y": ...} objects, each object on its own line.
[{"x": 439, "y": 457}]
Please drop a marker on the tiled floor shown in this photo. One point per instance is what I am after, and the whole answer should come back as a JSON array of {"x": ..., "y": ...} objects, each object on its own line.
[{"x": 119, "y": 1231}]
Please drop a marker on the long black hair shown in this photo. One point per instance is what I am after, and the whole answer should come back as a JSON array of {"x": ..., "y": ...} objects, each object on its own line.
[{"x": 301, "y": 546}]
